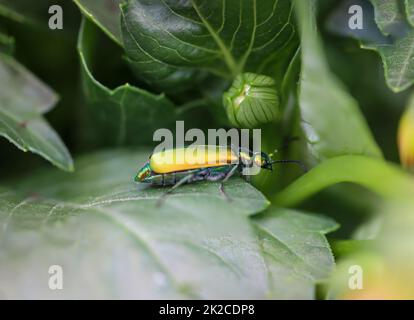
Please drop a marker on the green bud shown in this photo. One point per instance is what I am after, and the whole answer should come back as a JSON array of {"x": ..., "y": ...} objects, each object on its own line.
[{"x": 252, "y": 100}]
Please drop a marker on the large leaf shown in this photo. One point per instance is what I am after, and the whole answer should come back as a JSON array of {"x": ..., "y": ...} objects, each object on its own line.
[
  {"x": 167, "y": 41},
  {"x": 296, "y": 252},
  {"x": 113, "y": 240},
  {"x": 331, "y": 119},
  {"x": 107, "y": 17},
  {"x": 396, "y": 50},
  {"x": 23, "y": 101},
  {"x": 409, "y": 8}
]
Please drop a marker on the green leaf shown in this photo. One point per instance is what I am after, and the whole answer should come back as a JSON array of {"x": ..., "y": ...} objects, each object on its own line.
[
  {"x": 331, "y": 120},
  {"x": 196, "y": 245},
  {"x": 398, "y": 57},
  {"x": 106, "y": 15},
  {"x": 378, "y": 176},
  {"x": 127, "y": 114},
  {"x": 291, "y": 76},
  {"x": 396, "y": 50},
  {"x": 398, "y": 61},
  {"x": 113, "y": 241},
  {"x": 344, "y": 248},
  {"x": 296, "y": 251},
  {"x": 167, "y": 41},
  {"x": 409, "y": 8},
  {"x": 23, "y": 101},
  {"x": 6, "y": 44},
  {"x": 388, "y": 16}
]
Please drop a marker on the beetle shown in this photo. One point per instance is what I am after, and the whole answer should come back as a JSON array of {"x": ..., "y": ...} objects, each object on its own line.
[{"x": 175, "y": 167}]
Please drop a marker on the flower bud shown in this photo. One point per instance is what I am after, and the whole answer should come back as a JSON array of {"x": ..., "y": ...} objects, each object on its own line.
[
  {"x": 406, "y": 137},
  {"x": 252, "y": 100}
]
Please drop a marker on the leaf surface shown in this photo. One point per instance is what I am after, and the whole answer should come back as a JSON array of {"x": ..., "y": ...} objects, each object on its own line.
[
  {"x": 168, "y": 42},
  {"x": 296, "y": 251},
  {"x": 112, "y": 240},
  {"x": 331, "y": 119}
]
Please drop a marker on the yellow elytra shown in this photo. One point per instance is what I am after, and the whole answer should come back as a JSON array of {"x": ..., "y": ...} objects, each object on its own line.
[{"x": 193, "y": 157}]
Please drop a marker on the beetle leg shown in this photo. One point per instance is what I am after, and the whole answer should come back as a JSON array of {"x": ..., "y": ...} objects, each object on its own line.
[
  {"x": 180, "y": 182},
  {"x": 227, "y": 177},
  {"x": 247, "y": 178}
]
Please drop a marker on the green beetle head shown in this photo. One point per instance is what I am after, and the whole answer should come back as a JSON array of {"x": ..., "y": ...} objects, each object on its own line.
[
  {"x": 263, "y": 160},
  {"x": 143, "y": 173}
]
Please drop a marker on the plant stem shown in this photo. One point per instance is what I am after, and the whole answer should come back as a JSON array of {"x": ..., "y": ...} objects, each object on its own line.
[{"x": 379, "y": 176}]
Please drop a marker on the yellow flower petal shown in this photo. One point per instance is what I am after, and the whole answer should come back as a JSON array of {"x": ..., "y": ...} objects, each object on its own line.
[{"x": 406, "y": 138}]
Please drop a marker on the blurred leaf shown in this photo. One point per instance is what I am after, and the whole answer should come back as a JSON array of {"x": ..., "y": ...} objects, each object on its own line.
[
  {"x": 6, "y": 44},
  {"x": 331, "y": 119},
  {"x": 105, "y": 14},
  {"x": 369, "y": 229},
  {"x": 362, "y": 170},
  {"x": 296, "y": 251},
  {"x": 398, "y": 61},
  {"x": 291, "y": 76},
  {"x": 396, "y": 50},
  {"x": 113, "y": 241},
  {"x": 127, "y": 114},
  {"x": 9, "y": 9},
  {"x": 23, "y": 100},
  {"x": 167, "y": 42},
  {"x": 343, "y": 248},
  {"x": 388, "y": 16},
  {"x": 395, "y": 240},
  {"x": 405, "y": 136},
  {"x": 409, "y": 8},
  {"x": 387, "y": 265},
  {"x": 23, "y": 11}
]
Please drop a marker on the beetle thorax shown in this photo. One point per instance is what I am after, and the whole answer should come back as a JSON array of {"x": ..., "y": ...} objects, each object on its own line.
[{"x": 245, "y": 159}]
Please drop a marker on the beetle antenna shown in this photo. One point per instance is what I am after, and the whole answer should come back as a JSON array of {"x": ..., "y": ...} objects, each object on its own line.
[{"x": 299, "y": 163}]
